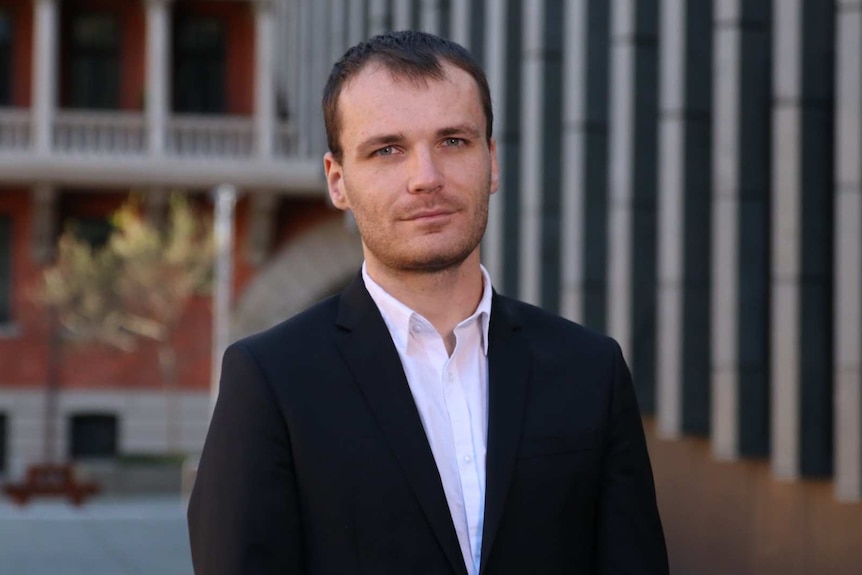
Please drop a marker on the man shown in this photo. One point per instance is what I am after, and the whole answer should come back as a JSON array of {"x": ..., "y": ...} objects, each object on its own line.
[{"x": 420, "y": 423}]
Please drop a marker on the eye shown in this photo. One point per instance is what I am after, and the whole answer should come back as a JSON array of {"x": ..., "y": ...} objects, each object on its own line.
[
  {"x": 387, "y": 151},
  {"x": 454, "y": 142}
]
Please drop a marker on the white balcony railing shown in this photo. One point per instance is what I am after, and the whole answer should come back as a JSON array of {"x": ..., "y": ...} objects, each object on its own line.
[
  {"x": 118, "y": 133},
  {"x": 15, "y": 130},
  {"x": 99, "y": 133},
  {"x": 209, "y": 137}
]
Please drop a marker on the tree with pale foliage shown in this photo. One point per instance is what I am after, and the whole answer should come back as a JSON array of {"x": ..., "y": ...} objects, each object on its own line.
[{"x": 137, "y": 285}]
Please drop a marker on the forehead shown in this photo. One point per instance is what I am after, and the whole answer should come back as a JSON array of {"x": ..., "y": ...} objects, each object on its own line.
[{"x": 376, "y": 101}]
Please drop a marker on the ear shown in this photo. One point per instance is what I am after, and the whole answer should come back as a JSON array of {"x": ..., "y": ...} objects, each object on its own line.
[
  {"x": 495, "y": 168},
  {"x": 335, "y": 181}
]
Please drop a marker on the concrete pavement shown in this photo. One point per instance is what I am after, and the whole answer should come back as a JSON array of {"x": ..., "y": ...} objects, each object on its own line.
[{"x": 139, "y": 536}]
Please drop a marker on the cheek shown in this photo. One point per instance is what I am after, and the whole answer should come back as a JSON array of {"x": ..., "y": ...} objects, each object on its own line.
[
  {"x": 373, "y": 196},
  {"x": 367, "y": 209},
  {"x": 469, "y": 174}
]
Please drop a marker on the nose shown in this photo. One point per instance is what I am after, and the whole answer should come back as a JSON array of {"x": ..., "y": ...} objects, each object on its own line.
[{"x": 425, "y": 174}]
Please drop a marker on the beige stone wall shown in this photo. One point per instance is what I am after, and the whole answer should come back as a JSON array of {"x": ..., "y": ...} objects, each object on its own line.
[
  {"x": 723, "y": 518},
  {"x": 148, "y": 421}
]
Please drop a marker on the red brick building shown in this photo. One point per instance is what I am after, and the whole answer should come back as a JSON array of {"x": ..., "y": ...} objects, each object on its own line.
[{"x": 99, "y": 98}]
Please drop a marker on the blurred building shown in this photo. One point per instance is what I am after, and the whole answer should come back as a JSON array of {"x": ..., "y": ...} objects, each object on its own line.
[
  {"x": 99, "y": 98},
  {"x": 682, "y": 174}
]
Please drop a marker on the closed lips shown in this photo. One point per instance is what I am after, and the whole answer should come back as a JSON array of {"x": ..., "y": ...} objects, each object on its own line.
[{"x": 429, "y": 214}]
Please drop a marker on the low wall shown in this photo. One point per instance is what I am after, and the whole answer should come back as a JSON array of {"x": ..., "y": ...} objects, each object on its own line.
[
  {"x": 724, "y": 518},
  {"x": 118, "y": 479}
]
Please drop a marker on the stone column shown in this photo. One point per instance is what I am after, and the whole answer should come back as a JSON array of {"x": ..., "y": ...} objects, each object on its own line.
[
  {"x": 314, "y": 69},
  {"x": 337, "y": 30},
  {"x": 632, "y": 189},
  {"x": 321, "y": 65},
  {"x": 740, "y": 224},
  {"x": 585, "y": 170},
  {"x": 430, "y": 16},
  {"x": 684, "y": 217},
  {"x": 495, "y": 69},
  {"x": 356, "y": 31},
  {"x": 158, "y": 73},
  {"x": 292, "y": 79},
  {"x": 532, "y": 159},
  {"x": 802, "y": 190},
  {"x": 304, "y": 76},
  {"x": 542, "y": 94},
  {"x": 848, "y": 254},
  {"x": 264, "y": 101},
  {"x": 509, "y": 145},
  {"x": 223, "y": 273},
  {"x": 378, "y": 17},
  {"x": 45, "y": 36},
  {"x": 402, "y": 14},
  {"x": 476, "y": 23},
  {"x": 459, "y": 28}
]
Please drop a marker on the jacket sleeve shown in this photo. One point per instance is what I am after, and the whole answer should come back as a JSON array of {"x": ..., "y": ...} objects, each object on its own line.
[
  {"x": 243, "y": 514},
  {"x": 630, "y": 539}
]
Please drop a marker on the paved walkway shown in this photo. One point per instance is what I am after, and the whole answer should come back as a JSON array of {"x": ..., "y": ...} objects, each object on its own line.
[{"x": 143, "y": 536}]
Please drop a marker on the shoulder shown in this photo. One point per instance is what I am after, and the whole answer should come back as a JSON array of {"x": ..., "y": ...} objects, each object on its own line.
[
  {"x": 294, "y": 336},
  {"x": 552, "y": 333}
]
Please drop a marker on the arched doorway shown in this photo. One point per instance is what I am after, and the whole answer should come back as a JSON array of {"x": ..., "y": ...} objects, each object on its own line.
[{"x": 313, "y": 266}]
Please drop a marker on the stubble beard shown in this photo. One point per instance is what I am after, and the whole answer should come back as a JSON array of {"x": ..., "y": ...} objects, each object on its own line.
[{"x": 392, "y": 253}]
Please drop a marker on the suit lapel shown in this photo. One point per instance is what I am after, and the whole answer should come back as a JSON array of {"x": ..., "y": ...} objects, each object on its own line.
[
  {"x": 508, "y": 374},
  {"x": 367, "y": 347}
]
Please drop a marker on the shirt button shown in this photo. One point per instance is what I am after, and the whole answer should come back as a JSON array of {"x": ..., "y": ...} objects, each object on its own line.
[
  {"x": 468, "y": 459},
  {"x": 451, "y": 376}
]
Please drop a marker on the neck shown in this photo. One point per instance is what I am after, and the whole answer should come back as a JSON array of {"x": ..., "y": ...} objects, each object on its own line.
[{"x": 445, "y": 298}]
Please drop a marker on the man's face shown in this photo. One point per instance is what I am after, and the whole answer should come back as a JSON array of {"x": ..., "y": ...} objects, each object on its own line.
[{"x": 417, "y": 170}]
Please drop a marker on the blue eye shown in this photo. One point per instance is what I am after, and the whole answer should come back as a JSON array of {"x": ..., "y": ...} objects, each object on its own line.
[
  {"x": 454, "y": 142},
  {"x": 387, "y": 151}
]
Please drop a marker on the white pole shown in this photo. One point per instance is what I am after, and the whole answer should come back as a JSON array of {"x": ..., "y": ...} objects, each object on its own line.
[
  {"x": 264, "y": 77},
  {"x": 225, "y": 202},
  {"x": 158, "y": 82},
  {"x": 44, "y": 77}
]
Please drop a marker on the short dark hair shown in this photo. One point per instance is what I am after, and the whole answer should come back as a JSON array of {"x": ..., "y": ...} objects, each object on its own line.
[{"x": 414, "y": 56}]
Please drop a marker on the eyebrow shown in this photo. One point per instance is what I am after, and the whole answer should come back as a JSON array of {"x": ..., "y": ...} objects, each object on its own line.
[
  {"x": 389, "y": 139},
  {"x": 382, "y": 140},
  {"x": 466, "y": 129}
]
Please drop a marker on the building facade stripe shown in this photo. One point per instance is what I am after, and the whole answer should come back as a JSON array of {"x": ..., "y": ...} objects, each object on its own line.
[
  {"x": 848, "y": 255},
  {"x": 632, "y": 189},
  {"x": 740, "y": 231},
  {"x": 801, "y": 202}
]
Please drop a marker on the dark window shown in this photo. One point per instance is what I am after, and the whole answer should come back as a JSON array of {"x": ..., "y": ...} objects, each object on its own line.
[
  {"x": 93, "y": 436},
  {"x": 3, "y": 436},
  {"x": 199, "y": 66},
  {"x": 95, "y": 63},
  {"x": 95, "y": 231},
  {"x": 5, "y": 59},
  {"x": 5, "y": 269}
]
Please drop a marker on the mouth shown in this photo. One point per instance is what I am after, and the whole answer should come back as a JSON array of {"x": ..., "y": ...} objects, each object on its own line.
[{"x": 429, "y": 215}]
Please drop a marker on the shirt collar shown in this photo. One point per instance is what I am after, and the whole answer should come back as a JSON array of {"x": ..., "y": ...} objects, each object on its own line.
[{"x": 398, "y": 316}]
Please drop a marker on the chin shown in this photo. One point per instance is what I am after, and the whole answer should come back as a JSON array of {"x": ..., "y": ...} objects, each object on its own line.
[
  {"x": 430, "y": 262},
  {"x": 429, "y": 254}
]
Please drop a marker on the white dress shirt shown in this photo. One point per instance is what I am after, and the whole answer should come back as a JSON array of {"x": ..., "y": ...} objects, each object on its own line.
[{"x": 451, "y": 394}]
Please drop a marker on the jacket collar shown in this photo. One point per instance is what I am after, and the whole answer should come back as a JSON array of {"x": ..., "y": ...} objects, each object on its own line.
[
  {"x": 399, "y": 317},
  {"x": 366, "y": 345}
]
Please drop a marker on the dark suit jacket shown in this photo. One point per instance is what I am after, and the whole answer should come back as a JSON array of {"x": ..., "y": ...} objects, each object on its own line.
[{"x": 316, "y": 461}]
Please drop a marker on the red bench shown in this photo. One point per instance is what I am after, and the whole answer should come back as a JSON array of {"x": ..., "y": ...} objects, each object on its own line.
[{"x": 50, "y": 479}]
